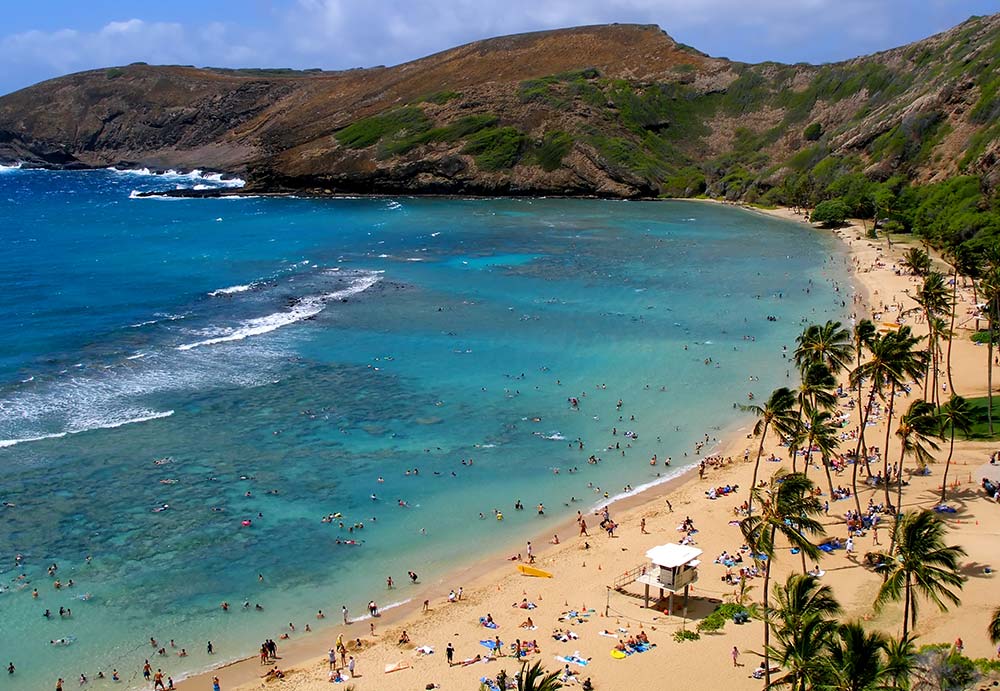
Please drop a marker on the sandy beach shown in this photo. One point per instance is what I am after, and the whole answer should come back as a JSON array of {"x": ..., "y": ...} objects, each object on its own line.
[{"x": 584, "y": 567}]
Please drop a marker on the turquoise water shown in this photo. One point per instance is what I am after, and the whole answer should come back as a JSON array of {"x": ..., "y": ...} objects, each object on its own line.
[{"x": 279, "y": 356}]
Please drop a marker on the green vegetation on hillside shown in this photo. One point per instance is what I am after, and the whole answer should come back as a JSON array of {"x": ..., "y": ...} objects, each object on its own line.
[
  {"x": 496, "y": 148},
  {"x": 835, "y": 138},
  {"x": 371, "y": 130}
]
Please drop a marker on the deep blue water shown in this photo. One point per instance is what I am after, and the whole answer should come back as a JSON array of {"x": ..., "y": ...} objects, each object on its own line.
[{"x": 278, "y": 356}]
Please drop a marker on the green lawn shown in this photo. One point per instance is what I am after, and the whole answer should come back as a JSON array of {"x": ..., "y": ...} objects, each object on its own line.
[{"x": 980, "y": 430}]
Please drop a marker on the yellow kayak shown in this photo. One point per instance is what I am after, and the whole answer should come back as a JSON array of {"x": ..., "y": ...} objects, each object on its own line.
[{"x": 532, "y": 571}]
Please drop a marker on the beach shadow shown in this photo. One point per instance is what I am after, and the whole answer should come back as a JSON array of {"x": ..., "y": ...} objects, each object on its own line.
[{"x": 975, "y": 570}]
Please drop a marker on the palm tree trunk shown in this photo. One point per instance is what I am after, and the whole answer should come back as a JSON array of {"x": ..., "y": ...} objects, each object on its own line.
[
  {"x": 947, "y": 464},
  {"x": 829, "y": 478},
  {"x": 885, "y": 451},
  {"x": 951, "y": 327},
  {"x": 906, "y": 606},
  {"x": 989, "y": 379},
  {"x": 899, "y": 499},
  {"x": 756, "y": 467},
  {"x": 860, "y": 445},
  {"x": 809, "y": 448},
  {"x": 767, "y": 618}
]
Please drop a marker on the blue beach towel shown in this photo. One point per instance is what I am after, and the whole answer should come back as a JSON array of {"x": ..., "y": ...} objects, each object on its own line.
[{"x": 492, "y": 645}]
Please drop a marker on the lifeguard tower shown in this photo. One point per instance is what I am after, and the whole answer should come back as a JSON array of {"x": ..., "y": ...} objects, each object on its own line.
[{"x": 672, "y": 568}]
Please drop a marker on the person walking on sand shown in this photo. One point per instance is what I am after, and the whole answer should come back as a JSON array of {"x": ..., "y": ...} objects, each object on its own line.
[
  {"x": 736, "y": 656},
  {"x": 215, "y": 684},
  {"x": 449, "y": 653}
]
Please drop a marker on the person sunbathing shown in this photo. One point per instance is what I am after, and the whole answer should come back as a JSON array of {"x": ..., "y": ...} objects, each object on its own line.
[
  {"x": 403, "y": 638},
  {"x": 527, "y": 624},
  {"x": 642, "y": 637}
]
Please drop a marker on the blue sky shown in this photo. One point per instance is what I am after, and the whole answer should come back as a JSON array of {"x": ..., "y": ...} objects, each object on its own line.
[{"x": 46, "y": 38}]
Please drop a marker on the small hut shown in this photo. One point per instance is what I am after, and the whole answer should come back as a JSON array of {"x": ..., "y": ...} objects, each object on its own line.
[{"x": 674, "y": 568}]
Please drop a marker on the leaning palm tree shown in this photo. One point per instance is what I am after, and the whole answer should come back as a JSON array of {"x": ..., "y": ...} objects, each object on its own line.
[
  {"x": 918, "y": 427},
  {"x": 921, "y": 564},
  {"x": 857, "y": 660},
  {"x": 788, "y": 508},
  {"x": 823, "y": 436},
  {"x": 956, "y": 414},
  {"x": 864, "y": 333},
  {"x": 534, "y": 678},
  {"x": 893, "y": 360},
  {"x": 777, "y": 412},
  {"x": 829, "y": 344},
  {"x": 993, "y": 629}
]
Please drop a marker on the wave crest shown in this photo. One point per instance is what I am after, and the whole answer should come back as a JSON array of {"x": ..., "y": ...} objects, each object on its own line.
[{"x": 303, "y": 309}]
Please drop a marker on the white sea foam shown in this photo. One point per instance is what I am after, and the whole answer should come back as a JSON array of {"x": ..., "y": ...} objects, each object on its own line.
[
  {"x": 109, "y": 424},
  {"x": 304, "y": 309},
  {"x": 193, "y": 175},
  {"x": 13, "y": 166},
  {"x": 232, "y": 290}
]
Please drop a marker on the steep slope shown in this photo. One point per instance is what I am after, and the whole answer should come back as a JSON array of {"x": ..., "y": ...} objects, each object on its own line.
[{"x": 619, "y": 110}]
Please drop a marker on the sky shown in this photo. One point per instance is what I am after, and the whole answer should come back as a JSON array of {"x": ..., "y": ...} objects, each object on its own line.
[{"x": 48, "y": 38}]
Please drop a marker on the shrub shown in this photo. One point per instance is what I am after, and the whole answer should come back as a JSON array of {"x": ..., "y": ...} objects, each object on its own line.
[
  {"x": 681, "y": 635},
  {"x": 440, "y": 97},
  {"x": 553, "y": 147},
  {"x": 813, "y": 132},
  {"x": 369, "y": 131},
  {"x": 830, "y": 213},
  {"x": 496, "y": 148}
]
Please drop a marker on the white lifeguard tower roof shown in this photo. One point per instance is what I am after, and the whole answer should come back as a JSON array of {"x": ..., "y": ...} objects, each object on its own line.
[{"x": 673, "y": 555}]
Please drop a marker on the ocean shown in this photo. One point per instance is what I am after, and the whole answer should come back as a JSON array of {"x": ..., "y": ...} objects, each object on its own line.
[{"x": 189, "y": 386}]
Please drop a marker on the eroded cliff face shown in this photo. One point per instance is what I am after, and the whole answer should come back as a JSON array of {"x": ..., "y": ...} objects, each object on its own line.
[{"x": 616, "y": 111}]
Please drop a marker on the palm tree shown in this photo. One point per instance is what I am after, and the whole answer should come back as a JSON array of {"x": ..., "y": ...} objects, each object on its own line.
[
  {"x": 901, "y": 654},
  {"x": 964, "y": 262},
  {"x": 916, "y": 261},
  {"x": 864, "y": 333},
  {"x": 857, "y": 660},
  {"x": 956, "y": 414},
  {"x": 788, "y": 508},
  {"x": 933, "y": 300},
  {"x": 534, "y": 678},
  {"x": 778, "y": 411},
  {"x": 993, "y": 629},
  {"x": 815, "y": 390},
  {"x": 823, "y": 435},
  {"x": 892, "y": 361},
  {"x": 815, "y": 394},
  {"x": 921, "y": 563},
  {"x": 802, "y": 628},
  {"x": 917, "y": 428},
  {"x": 829, "y": 344},
  {"x": 991, "y": 296}
]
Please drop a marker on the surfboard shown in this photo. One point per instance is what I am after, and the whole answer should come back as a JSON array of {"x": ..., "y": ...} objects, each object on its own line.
[{"x": 532, "y": 571}]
